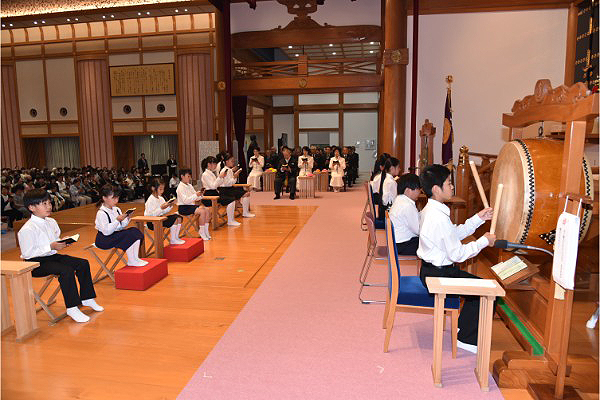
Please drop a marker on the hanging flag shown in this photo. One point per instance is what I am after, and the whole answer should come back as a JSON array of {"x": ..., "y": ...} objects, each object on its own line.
[{"x": 448, "y": 139}]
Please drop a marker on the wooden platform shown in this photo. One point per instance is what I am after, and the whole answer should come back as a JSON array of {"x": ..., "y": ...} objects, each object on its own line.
[{"x": 148, "y": 345}]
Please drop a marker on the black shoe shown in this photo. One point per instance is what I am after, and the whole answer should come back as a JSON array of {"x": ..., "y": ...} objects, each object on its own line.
[
  {"x": 277, "y": 197},
  {"x": 292, "y": 197}
]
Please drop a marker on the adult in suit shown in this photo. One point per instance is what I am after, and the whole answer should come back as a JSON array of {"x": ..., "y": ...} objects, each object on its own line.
[
  {"x": 142, "y": 162},
  {"x": 287, "y": 169},
  {"x": 171, "y": 166}
]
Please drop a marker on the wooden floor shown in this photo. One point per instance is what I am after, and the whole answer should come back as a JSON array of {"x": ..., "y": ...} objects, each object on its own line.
[{"x": 148, "y": 344}]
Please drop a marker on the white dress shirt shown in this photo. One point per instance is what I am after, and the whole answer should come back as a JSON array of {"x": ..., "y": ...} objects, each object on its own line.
[
  {"x": 186, "y": 194},
  {"x": 405, "y": 218},
  {"x": 104, "y": 226},
  {"x": 390, "y": 190},
  {"x": 375, "y": 183},
  {"x": 36, "y": 235},
  {"x": 153, "y": 206},
  {"x": 229, "y": 179},
  {"x": 439, "y": 238},
  {"x": 258, "y": 165},
  {"x": 210, "y": 181}
]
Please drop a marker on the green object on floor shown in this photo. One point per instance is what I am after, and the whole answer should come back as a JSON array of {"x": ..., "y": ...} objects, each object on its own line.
[{"x": 538, "y": 350}]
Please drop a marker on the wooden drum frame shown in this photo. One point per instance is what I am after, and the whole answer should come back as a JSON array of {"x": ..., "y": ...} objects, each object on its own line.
[{"x": 530, "y": 170}]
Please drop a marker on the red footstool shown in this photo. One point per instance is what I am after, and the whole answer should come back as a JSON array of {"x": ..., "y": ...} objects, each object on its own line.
[
  {"x": 141, "y": 278},
  {"x": 192, "y": 248}
]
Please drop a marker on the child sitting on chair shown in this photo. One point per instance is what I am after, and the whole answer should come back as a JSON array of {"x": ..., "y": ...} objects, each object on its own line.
[
  {"x": 39, "y": 240},
  {"x": 405, "y": 216},
  {"x": 187, "y": 197},
  {"x": 111, "y": 224},
  {"x": 156, "y": 206},
  {"x": 440, "y": 246},
  {"x": 230, "y": 172}
]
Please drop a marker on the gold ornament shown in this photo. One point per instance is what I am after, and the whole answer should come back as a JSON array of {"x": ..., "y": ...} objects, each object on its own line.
[{"x": 221, "y": 85}]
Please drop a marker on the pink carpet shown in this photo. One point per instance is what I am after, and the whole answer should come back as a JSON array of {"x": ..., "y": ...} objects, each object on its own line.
[{"x": 305, "y": 335}]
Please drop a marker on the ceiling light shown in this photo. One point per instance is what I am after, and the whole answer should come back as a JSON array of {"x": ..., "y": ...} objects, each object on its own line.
[
  {"x": 333, "y": 53},
  {"x": 112, "y": 16},
  {"x": 330, "y": 45},
  {"x": 43, "y": 22},
  {"x": 147, "y": 12},
  {"x": 139, "y": 13},
  {"x": 371, "y": 52},
  {"x": 35, "y": 22},
  {"x": 68, "y": 19},
  {"x": 76, "y": 19},
  {"x": 289, "y": 47},
  {"x": 104, "y": 16},
  {"x": 185, "y": 9},
  {"x": 176, "y": 10},
  {"x": 372, "y": 43},
  {"x": 10, "y": 24},
  {"x": 297, "y": 55},
  {"x": 4, "y": 26}
]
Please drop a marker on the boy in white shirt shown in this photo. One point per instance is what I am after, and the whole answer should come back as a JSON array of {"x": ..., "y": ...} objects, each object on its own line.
[
  {"x": 39, "y": 240},
  {"x": 440, "y": 245},
  {"x": 405, "y": 216}
]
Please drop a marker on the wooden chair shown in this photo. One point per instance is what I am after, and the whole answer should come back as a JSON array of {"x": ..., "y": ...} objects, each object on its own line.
[
  {"x": 407, "y": 293},
  {"x": 307, "y": 187},
  {"x": 373, "y": 252},
  {"x": 45, "y": 305},
  {"x": 219, "y": 213},
  {"x": 190, "y": 222},
  {"x": 363, "y": 221},
  {"x": 156, "y": 237},
  {"x": 104, "y": 264}
]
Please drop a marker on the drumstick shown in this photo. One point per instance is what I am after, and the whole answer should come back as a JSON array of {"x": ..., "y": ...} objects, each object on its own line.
[
  {"x": 479, "y": 186},
  {"x": 496, "y": 207}
]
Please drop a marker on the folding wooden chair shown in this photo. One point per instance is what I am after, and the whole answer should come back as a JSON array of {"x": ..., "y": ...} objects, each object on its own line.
[
  {"x": 45, "y": 305},
  {"x": 108, "y": 271},
  {"x": 407, "y": 293},
  {"x": 373, "y": 252},
  {"x": 156, "y": 238},
  {"x": 219, "y": 213},
  {"x": 190, "y": 222}
]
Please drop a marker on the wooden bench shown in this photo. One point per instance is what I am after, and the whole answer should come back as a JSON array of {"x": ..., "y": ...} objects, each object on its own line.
[
  {"x": 157, "y": 238},
  {"x": 268, "y": 181},
  {"x": 19, "y": 275},
  {"x": 307, "y": 187},
  {"x": 219, "y": 214}
]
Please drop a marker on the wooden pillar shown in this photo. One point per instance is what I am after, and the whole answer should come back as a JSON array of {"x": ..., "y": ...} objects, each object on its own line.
[
  {"x": 571, "y": 44},
  {"x": 220, "y": 55},
  {"x": 268, "y": 127},
  {"x": 95, "y": 113},
  {"x": 341, "y": 120},
  {"x": 12, "y": 155},
  {"x": 195, "y": 106},
  {"x": 296, "y": 122},
  {"x": 395, "y": 58}
]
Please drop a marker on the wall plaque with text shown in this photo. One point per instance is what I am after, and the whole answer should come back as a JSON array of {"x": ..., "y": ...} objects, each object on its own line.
[{"x": 142, "y": 80}]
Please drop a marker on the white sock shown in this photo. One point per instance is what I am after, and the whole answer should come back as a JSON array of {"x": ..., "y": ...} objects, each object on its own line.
[
  {"x": 133, "y": 258},
  {"x": 207, "y": 231},
  {"x": 246, "y": 207},
  {"x": 92, "y": 304},
  {"x": 77, "y": 315},
  {"x": 231, "y": 214},
  {"x": 465, "y": 346},
  {"x": 202, "y": 233},
  {"x": 175, "y": 235}
]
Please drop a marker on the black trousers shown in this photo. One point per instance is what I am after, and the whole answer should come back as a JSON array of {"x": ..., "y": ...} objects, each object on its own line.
[
  {"x": 408, "y": 248},
  {"x": 468, "y": 320},
  {"x": 67, "y": 267},
  {"x": 279, "y": 181}
]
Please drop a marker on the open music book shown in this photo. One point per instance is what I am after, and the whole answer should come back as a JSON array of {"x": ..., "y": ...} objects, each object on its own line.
[
  {"x": 509, "y": 267},
  {"x": 69, "y": 239}
]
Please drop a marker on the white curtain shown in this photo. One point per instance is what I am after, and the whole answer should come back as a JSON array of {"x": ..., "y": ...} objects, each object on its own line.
[
  {"x": 156, "y": 147},
  {"x": 62, "y": 152}
]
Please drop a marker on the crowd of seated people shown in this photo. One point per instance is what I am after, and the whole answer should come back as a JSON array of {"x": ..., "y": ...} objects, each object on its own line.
[{"x": 67, "y": 187}]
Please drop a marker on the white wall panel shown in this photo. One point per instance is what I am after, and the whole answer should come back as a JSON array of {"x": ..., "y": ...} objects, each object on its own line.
[
  {"x": 319, "y": 120},
  {"x": 170, "y": 103},
  {"x": 361, "y": 97},
  {"x": 283, "y": 123},
  {"x": 30, "y": 89},
  {"x": 361, "y": 126},
  {"x": 158, "y": 57},
  {"x": 62, "y": 92},
  {"x": 325, "y": 98},
  {"x": 119, "y": 102},
  {"x": 124, "y": 59}
]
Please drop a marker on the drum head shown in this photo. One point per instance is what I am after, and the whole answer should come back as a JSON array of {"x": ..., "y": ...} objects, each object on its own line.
[{"x": 511, "y": 170}]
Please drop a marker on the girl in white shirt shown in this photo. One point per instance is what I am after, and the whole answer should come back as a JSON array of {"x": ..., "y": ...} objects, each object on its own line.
[
  {"x": 337, "y": 165},
  {"x": 187, "y": 197},
  {"x": 306, "y": 163},
  {"x": 229, "y": 194},
  {"x": 111, "y": 224},
  {"x": 388, "y": 187},
  {"x": 257, "y": 163},
  {"x": 156, "y": 206}
]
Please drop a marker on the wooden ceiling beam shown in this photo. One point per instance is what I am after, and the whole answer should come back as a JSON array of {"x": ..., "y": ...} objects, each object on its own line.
[
  {"x": 325, "y": 108},
  {"x": 467, "y": 6},
  {"x": 306, "y": 37},
  {"x": 313, "y": 84}
]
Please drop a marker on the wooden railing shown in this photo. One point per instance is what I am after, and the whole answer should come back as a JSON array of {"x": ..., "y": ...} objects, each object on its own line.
[{"x": 305, "y": 67}]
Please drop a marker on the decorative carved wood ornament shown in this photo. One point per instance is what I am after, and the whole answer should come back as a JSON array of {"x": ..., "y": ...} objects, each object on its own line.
[
  {"x": 544, "y": 94},
  {"x": 301, "y": 9}
]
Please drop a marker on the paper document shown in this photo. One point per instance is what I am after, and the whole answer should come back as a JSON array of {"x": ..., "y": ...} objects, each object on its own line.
[
  {"x": 509, "y": 267},
  {"x": 490, "y": 283},
  {"x": 565, "y": 250}
]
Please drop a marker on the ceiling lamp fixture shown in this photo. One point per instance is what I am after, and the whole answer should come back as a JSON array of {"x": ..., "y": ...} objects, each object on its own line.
[
  {"x": 35, "y": 22},
  {"x": 176, "y": 11},
  {"x": 333, "y": 53},
  {"x": 297, "y": 55},
  {"x": 330, "y": 45},
  {"x": 290, "y": 47}
]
